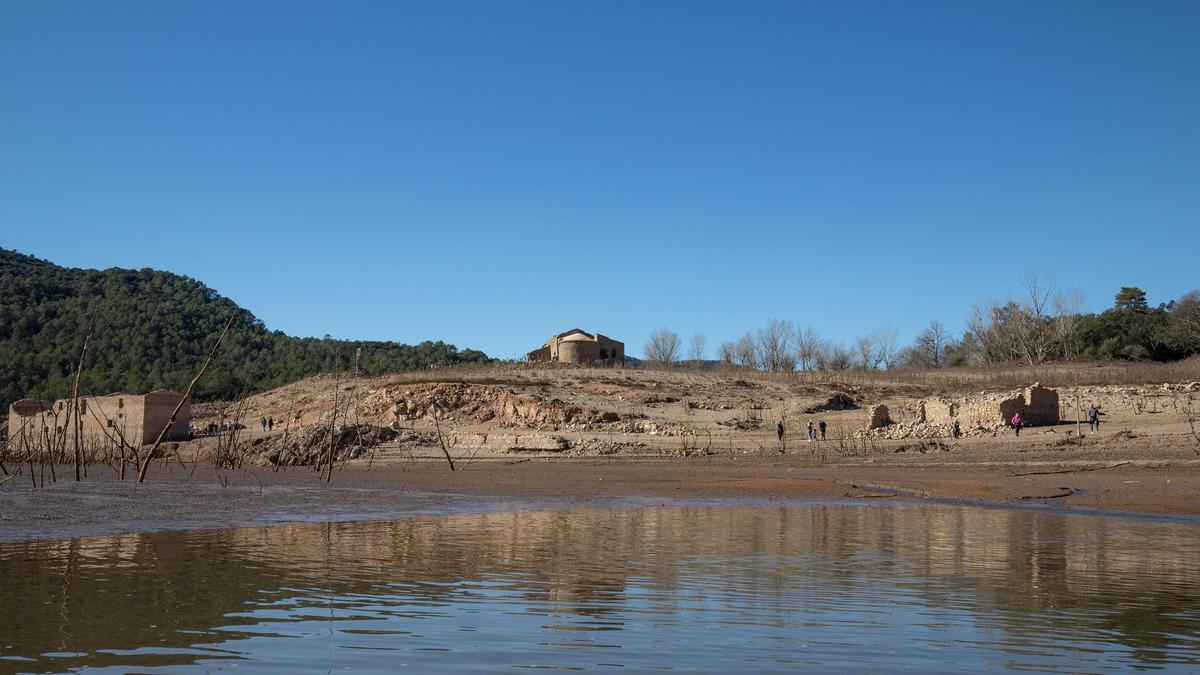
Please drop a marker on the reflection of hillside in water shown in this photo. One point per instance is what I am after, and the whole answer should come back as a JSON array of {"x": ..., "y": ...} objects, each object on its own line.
[{"x": 1018, "y": 577}]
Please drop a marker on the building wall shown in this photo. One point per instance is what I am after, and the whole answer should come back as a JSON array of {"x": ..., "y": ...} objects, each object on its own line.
[
  {"x": 1041, "y": 405},
  {"x": 572, "y": 351},
  {"x": 158, "y": 408},
  {"x": 137, "y": 420},
  {"x": 30, "y": 419},
  {"x": 564, "y": 348}
]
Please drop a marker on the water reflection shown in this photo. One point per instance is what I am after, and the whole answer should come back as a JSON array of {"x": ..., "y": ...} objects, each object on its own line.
[{"x": 694, "y": 589}]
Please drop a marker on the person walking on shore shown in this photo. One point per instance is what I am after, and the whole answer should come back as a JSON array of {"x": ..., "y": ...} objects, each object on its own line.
[
  {"x": 779, "y": 430},
  {"x": 812, "y": 432},
  {"x": 1017, "y": 421},
  {"x": 1094, "y": 419},
  {"x": 821, "y": 428}
]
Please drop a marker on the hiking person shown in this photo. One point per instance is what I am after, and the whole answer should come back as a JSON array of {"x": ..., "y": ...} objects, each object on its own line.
[
  {"x": 262, "y": 422},
  {"x": 270, "y": 424},
  {"x": 1094, "y": 418},
  {"x": 779, "y": 430},
  {"x": 955, "y": 432},
  {"x": 812, "y": 432},
  {"x": 1017, "y": 421},
  {"x": 821, "y": 428}
]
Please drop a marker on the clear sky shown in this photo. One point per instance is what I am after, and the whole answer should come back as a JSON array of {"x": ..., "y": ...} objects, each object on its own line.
[{"x": 489, "y": 173}]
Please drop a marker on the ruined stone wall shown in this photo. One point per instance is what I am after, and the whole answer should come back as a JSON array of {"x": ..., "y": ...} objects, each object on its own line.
[
  {"x": 111, "y": 417},
  {"x": 939, "y": 410},
  {"x": 158, "y": 408},
  {"x": 983, "y": 414},
  {"x": 105, "y": 419},
  {"x": 1041, "y": 405},
  {"x": 30, "y": 419},
  {"x": 880, "y": 417},
  {"x": 613, "y": 350}
]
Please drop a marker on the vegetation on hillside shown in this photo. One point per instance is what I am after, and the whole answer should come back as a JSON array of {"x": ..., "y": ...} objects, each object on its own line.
[
  {"x": 153, "y": 329},
  {"x": 1041, "y": 327}
]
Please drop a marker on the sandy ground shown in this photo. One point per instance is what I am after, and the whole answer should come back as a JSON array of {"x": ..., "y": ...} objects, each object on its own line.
[{"x": 175, "y": 498}]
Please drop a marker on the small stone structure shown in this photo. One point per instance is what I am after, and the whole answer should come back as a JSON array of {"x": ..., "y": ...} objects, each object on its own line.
[
  {"x": 985, "y": 414},
  {"x": 578, "y": 346},
  {"x": 116, "y": 418},
  {"x": 879, "y": 417}
]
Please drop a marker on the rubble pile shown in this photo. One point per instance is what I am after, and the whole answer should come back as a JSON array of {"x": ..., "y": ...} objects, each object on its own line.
[
  {"x": 838, "y": 401},
  {"x": 600, "y": 446},
  {"x": 311, "y": 446}
]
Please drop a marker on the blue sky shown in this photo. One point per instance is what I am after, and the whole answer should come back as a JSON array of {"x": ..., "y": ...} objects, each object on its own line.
[{"x": 489, "y": 173}]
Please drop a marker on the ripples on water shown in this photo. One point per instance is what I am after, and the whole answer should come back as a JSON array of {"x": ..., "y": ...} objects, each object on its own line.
[{"x": 716, "y": 589}]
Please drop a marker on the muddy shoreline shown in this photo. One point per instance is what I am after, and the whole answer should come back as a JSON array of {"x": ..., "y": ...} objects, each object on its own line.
[{"x": 176, "y": 498}]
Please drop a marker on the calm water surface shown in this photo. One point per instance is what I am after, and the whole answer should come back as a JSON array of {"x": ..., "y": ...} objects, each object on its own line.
[{"x": 707, "y": 589}]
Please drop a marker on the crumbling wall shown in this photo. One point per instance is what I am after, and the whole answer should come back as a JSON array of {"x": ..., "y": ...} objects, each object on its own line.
[
  {"x": 880, "y": 417},
  {"x": 1041, "y": 405},
  {"x": 506, "y": 443},
  {"x": 976, "y": 415},
  {"x": 938, "y": 411}
]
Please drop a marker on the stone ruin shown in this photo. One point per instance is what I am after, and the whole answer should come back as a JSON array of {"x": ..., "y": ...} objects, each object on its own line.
[
  {"x": 880, "y": 417},
  {"x": 986, "y": 414}
]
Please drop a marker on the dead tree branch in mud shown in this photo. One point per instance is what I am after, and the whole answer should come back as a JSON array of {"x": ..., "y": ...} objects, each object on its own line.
[
  {"x": 1191, "y": 416},
  {"x": 337, "y": 383},
  {"x": 229, "y": 453},
  {"x": 186, "y": 395},
  {"x": 1084, "y": 470},
  {"x": 78, "y": 435},
  {"x": 442, "y": 440}
]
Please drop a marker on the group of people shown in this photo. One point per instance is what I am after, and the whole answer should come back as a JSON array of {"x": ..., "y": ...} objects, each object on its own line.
[
  {"x": 267, "y": 423},
  {"x": 212, "y": 428},
  {"x": 813, "y": 431}
]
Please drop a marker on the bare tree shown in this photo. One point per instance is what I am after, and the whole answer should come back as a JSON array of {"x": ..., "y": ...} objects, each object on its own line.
[
  {"x": 835, "y": 357},
  {"x": 1068, "y": 307},
  {"x": 663, "y": 347},
  {"x": 775, "y": 346},
  {"x": 696, "y": 349},
  {"x": 1035, "y": 332},
  {"x": 746, "y": 351},
  {"x": 931, "y": 342},
  {"x": 1036, "y": 328},
  {"x": 1183, "y": 325},
  {"x": 865, "y": 350},
  {"x": 885, "y": 346},
  {"x": 808, "y": 347},
  {"x": 727, "y": 353}
]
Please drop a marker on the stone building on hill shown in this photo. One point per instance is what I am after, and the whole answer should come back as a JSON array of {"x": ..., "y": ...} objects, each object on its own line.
[
  {"x": 578, "y": 346},
  {"x": 113, "y": 419}
]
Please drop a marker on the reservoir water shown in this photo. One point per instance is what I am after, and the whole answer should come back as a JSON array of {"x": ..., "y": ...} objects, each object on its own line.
[{"x": 818, "y": 588}]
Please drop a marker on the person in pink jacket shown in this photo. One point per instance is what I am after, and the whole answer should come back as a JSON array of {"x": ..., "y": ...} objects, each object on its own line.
[{"x": 1017, "y": 421}]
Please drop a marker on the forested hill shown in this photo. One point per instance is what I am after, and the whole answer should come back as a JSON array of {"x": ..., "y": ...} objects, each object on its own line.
[{"x": 153, "y": 329}]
